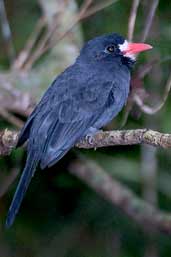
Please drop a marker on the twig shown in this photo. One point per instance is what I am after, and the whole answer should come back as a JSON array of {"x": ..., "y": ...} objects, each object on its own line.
[
  {"x": 152, "y": 110},
  {"x": 147, "y": 67},
  {"x": 11, "y": 118},
  {"x": 13, "y": 99},
  {"x": 113, "y": 191},
  {"x": 148, "y": 21},
  {"x": 148, "y": 171},
  {"x": 43, "y": 45},
  {"x": 98, "y": 7},
  {"x": 83, "y": 14},
  {"x": 132, "y": 19},
  {"x": 136, "y": 97},
  {"x": 8, "y": 139},
  {"x": 47, "y": 41},
  {"x": 6, "y": 32},
  {"x": 25, "y": 53},
  {"x": 127, "y": 137},
  {"x": 84, "y": 7}
]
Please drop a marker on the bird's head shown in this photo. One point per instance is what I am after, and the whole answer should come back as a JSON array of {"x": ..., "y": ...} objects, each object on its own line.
[{"x": 111, "y": 47}]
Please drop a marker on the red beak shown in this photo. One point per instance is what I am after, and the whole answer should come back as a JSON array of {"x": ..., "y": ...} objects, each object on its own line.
[{"x": 135, "y": 48}]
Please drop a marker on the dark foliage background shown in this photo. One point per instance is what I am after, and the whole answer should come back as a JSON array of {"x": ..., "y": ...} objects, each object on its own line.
[{"x": 60, "y": 215}]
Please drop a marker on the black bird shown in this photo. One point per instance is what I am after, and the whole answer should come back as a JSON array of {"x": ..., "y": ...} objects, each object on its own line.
[{"x": 81, "y": 100}]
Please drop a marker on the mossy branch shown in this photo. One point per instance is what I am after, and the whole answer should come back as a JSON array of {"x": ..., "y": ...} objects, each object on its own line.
[
  {"x": 140, "y": 211},
  {"x": 8, "y": 139}
]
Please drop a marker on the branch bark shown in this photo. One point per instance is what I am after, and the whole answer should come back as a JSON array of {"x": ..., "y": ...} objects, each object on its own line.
[
  {"x": 132, "y": 19},
  {"x": 8, "y": 139},
  {"x": 142, "y": 212},
  {"x": 127, "y": 137}
]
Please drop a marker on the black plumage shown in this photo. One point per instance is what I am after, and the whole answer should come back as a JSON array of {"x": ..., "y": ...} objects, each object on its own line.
[{"x": 85, "y": 97}]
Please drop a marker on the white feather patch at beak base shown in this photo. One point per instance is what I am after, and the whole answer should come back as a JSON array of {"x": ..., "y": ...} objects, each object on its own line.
[
  {"x": 123, "y": 48},
  {"x": 131, "y": 49}
]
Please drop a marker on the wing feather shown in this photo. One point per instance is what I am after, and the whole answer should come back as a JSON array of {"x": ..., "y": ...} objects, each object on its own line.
[{"x": 64, "y": 136}]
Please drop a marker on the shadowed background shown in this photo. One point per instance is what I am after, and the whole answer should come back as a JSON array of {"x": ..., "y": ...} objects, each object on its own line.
[{"x": 62, "y": 215}]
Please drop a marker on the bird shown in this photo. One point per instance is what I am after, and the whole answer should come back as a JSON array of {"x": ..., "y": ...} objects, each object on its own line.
[{"x": 82, "y": 99}]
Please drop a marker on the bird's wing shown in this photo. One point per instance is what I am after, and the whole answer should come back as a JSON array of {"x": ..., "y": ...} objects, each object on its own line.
[
  {"x": 25, "y": 131},
  {"x": 61, "y": 129},
  {"x": 73, "y": 106},
  {"x": 63, "y": 116}
]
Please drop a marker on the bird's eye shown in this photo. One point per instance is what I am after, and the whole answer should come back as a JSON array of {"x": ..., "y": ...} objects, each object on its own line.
[{"x": 110, "y": 49}]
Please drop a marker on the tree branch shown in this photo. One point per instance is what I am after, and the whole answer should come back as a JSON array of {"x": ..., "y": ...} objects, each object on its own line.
[
  {"x": 152, "y": 110},
  {"x": 6, "y": 32},
  {"x": 149, "y": 18},
  {"x": 127, "y": 137},
  {"x": 132, "y": 19},
  {"x": 8, "y": 139},
  {"x": 143, "y": 213},
  {"x": 101, "y": 182}
]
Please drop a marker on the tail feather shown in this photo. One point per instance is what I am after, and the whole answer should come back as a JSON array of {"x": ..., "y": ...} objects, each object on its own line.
[{"x": 24, "y": 182}]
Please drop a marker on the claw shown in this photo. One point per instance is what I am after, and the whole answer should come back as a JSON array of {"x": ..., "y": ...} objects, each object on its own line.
[{"x": 89, "y": 138}]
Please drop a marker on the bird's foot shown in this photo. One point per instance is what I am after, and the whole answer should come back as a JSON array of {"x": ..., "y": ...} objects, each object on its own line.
[
  {"x": 90, "y": 136},
  {"x": 89, "y": 139}
]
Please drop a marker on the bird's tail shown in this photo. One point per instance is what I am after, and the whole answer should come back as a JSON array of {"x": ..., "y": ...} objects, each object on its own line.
[{"x": 24, "y": 182}]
